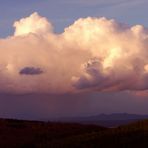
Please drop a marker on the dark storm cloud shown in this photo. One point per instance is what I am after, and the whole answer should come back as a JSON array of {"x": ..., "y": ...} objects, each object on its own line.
[
  {"x": 45, "y": 107},
  {"x": 31, "y": 71}
]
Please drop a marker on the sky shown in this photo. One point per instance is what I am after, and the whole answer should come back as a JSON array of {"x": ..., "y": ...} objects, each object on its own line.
[
  {"x": 73, "y": 58},
  {"x": 64, "y": 12}
]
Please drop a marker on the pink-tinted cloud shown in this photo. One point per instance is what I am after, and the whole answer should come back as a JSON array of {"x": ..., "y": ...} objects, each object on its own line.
[{"x": 93, "y": 54}]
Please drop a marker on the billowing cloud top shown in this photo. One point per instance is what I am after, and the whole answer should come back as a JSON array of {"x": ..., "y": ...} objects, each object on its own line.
[
  {"x": 92, "y": 54},
  {"x": 32, "y": 24}
]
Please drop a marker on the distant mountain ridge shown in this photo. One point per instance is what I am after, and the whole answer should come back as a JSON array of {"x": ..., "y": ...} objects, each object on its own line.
[
  {"x": 108, "y": 120},
  {"x": 119, "y": 116}
]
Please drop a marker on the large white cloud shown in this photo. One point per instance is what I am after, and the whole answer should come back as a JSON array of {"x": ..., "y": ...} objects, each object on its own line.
[
  {"x": 91, "y": 54},
  {"x": 32, "y": 24}
]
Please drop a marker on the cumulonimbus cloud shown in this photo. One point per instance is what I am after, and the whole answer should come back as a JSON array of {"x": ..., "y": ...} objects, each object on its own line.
[{"x": 93, "y": 54}]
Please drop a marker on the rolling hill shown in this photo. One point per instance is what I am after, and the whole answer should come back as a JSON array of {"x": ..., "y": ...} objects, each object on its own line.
[
  {"x": 21, "y": 133},
  {"x": 34, "y": 134}
]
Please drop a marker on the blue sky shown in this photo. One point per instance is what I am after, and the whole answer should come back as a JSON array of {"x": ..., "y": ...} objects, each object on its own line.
[{"x": 62, "y": 13}]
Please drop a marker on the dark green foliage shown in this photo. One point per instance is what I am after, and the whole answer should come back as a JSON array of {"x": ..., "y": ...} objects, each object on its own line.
[{"x": 25, "y": 134}]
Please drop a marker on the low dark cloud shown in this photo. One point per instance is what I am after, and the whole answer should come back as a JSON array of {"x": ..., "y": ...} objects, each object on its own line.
[
  {"x": 31, "y": 71},
  {"x": 47, "y": 106}
]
